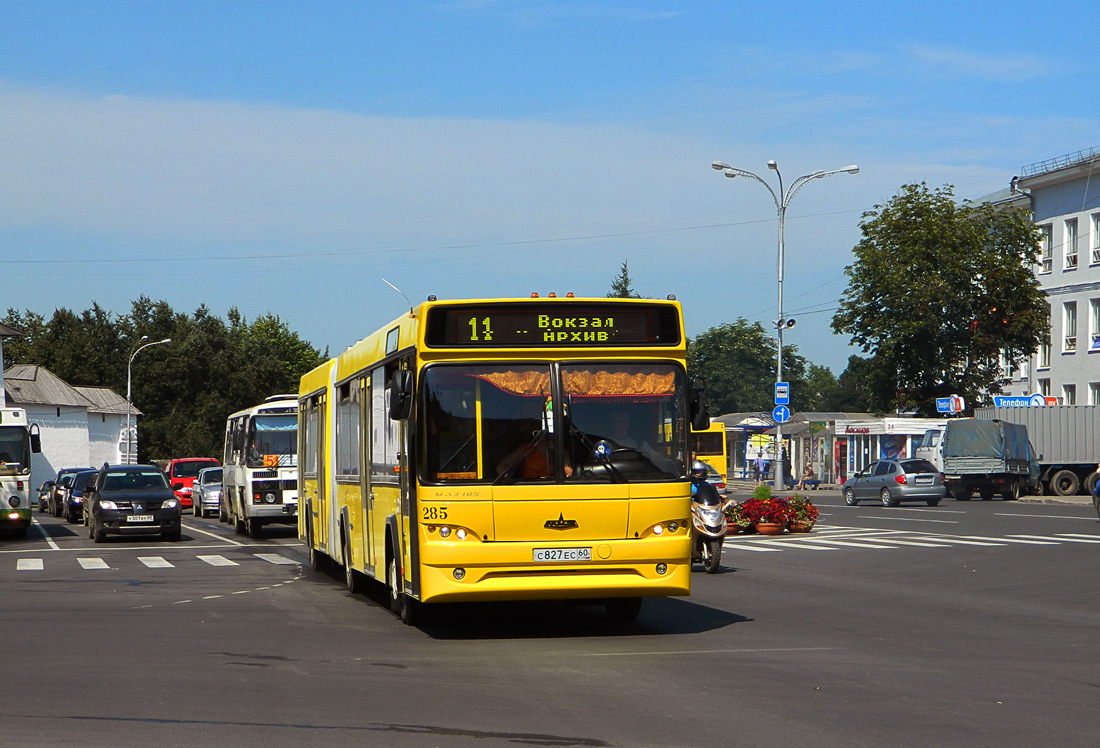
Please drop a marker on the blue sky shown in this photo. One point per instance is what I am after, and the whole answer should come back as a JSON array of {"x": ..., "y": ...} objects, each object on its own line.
[{"x": 284, "y": 157}]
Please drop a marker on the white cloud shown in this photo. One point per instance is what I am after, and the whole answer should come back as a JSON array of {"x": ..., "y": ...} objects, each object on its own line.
[{"x": 1009, "y": 67}]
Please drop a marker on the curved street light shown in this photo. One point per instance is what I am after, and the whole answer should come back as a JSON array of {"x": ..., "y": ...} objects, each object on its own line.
[
  {"x": 782, "y": 200},
  {"x": 134, "y": 351}
]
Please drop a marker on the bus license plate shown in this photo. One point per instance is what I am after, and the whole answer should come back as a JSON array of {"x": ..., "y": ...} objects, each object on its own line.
[
  {"x": 139, "y": 518},
  {"x": 545, "y": 555}
]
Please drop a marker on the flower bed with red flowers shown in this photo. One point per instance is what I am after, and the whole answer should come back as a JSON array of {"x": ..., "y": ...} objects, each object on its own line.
[
  {"x": 803, "y": 510},
  {"x": 775, "y": 510}
]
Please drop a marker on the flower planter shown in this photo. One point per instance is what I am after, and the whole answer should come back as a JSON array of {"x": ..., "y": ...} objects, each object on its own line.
[
  {"x": 801, "y": 526},
  {"x": 732, "y": 528},
  {"x": 771, "y": 528}
]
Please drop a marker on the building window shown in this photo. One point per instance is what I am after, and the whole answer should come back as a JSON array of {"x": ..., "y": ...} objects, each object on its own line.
[
  {"x": 1094, "y": 393},
  {"x": 1069, "y": 394},
  {"x": 1046, "y": 262},
  {"x": 1069, "y": 327},
  {"x": 1096, "y": 238},
  {"x": 1025, "y": 369},
  {"x": 1070, "y": 244},
  {"x": 1044, "y": 355},
  {"x": 1006, "y": 365},
  {"x": 1094, "y": 324},
  {"x": 1044, "y": 387}
]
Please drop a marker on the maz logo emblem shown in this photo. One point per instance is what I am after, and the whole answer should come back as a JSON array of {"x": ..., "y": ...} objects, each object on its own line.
[{"x": 561, "y": 523}]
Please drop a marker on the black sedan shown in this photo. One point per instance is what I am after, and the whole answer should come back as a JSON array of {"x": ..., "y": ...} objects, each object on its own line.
[{"x": 131, "y": 500}]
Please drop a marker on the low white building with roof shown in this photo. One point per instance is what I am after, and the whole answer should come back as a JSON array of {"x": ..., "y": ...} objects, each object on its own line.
[{"x": 80, "y": 426}]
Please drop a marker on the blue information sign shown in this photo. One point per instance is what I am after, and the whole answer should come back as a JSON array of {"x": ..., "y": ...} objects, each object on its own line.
[
  {"x": 781, "y": 414},
  {"x": 782, "y": 393}
]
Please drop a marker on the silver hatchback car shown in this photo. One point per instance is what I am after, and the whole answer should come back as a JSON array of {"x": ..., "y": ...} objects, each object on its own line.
[
  {"x": 206, "y": 492},
  {"x": 895, "y": 481}
]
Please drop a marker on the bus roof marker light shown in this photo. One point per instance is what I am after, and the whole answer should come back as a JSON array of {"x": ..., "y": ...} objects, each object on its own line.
[
  {"x": 534, "y": 294},
  {"x": 569, "y": 295},
  {"x": 432, "y": 297},
  {"x": 552, "y": 295}
]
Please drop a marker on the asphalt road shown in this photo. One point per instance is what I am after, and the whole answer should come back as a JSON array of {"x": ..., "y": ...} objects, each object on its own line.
[{"x": 966, "y": 624}]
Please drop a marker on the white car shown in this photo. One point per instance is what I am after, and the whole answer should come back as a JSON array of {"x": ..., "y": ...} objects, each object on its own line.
[{"x": 206, "y": 492}]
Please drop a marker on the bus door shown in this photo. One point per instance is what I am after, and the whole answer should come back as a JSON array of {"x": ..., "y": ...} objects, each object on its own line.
[
  {"x": 383, "y": 449},
  {"x": 360, "y": 394},
  {"x": 312, "y": 455}
]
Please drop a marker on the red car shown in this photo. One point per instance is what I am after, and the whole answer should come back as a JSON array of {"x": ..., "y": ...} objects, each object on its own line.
[{"x": 181, "y": 474}]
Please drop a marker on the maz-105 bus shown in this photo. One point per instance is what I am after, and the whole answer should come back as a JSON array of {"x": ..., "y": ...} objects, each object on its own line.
[
  {"x": 18, "y": 441},
  {"x": 709, "y": 446},
  {"x": 260, "y": 466},
  {"x": 505, "y": 449}
]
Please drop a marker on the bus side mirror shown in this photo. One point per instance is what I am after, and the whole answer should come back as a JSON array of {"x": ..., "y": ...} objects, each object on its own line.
[
  {"x": 698, "y": 409},
  {"x": 36, "y": 439},
  {"x": 401, "y": 395}
]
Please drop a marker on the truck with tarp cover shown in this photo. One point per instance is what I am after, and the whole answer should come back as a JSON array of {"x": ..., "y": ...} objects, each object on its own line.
[
  {"x": 1066, "y": 439},
  {"x": 988, "y": 457}
]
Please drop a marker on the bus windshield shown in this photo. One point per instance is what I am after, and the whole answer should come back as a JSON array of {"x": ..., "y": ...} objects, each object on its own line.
[
  {"x": 274, "y": 441},
  {"x": 15, "y": 450},
  {"x": 618, "y": 423}
]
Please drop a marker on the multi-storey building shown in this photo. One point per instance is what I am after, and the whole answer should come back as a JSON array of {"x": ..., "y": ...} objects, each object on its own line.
[{"x": 1064, "y": 198}]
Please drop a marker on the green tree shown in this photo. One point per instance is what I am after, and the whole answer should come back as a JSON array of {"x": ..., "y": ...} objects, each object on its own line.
[
  {"x": 621, "y": 288},
  {"x": 185, "y": 389},
  {"x": 737, "y": 361},
  {"x": 938, "y": 293}
]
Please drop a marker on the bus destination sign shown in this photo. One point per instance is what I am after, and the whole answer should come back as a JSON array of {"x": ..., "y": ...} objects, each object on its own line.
[{"x": 552, "y": 324}]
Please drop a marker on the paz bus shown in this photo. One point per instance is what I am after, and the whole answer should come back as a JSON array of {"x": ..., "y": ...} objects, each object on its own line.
[
  {"x": 260, "y": 466},
  {"x": 505, "y": 449},
  {"x": 709, "y": 446},
  {"x": 18, "y": 441}
]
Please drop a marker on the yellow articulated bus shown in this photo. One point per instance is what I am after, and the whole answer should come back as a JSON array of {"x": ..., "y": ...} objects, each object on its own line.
[
  {"x": 505, "y": 449},
  {"x": 709, "y": 446}
]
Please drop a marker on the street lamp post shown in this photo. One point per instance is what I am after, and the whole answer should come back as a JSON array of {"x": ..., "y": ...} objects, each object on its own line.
[
  {"x": 782, "y": 200},
  {"x": 134, "y": 351}
]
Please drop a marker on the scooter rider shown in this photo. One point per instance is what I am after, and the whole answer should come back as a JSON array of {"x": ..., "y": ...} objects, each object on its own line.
[{"x": 702, "y": 491}]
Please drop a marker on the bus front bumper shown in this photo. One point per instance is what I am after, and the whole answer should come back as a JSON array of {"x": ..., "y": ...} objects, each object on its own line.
[{"x": 452, "y": 572}]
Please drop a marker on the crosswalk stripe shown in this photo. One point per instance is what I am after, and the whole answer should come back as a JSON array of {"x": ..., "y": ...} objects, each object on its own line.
[
  {"x": 1012, "y": 539},
  {"x": 805, "y": 545},
  {"x": 93, "y": 563},
  {"x": 1078, "y": 535},
  {"x": 218, "y": 561},
  {"x": 854, "y": 544},
  {"x": 155, "y": 562},
  {"x": 1055, "y": 540},
  {"x": 959, "y": 541},
  {"x": 275, "y": 558},
  {"x": 29, "y": 564},
  {"x": 917, "y": 543},
  {"x": 752, "y": 547}
]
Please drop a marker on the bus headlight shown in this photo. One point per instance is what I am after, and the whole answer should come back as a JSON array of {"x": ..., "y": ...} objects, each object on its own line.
[
  {"x": 444, "y": 532},
  {"x": 269, "y": 498}
]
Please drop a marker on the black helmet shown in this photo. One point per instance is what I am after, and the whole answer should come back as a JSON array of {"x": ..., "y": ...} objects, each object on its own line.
[{"x": 699, "y": 469}]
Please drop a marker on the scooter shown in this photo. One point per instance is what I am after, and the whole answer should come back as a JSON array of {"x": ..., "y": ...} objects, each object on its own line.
[{"x": 708, "y": 526}]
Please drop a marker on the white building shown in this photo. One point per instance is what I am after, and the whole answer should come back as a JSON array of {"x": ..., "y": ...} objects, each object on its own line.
[
  {"x": 80, "y": 426},
  {"x": 1064, "y": 197}
]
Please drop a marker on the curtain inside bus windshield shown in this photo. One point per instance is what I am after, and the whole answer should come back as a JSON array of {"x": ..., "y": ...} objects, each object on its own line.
[
  {"x": 14, "y": 450},
  {"x": 274, "y": 441}
]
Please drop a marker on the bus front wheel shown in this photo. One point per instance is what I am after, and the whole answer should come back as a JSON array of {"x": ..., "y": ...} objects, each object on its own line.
[{"x": 400, "y": 603}]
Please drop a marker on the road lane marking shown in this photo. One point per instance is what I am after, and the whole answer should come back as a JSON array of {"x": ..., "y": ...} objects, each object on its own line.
[
  {"x": 1079, "y": 535},
  {"x": 754, "y": 547},
  {"x": 912, "y": 519},
  {"x": 29, "y": 564},
  {"x": 214, "y": 535},
  {"x": 275, "y": 558},
  {"x": 918, "y": 543},
  {"x": 155, "y": 562},
  {"x": 218, "y": 561},
  {"x": 42, "y": 530},
  {"x": 93, "y": 563},
  {"x": 1040, "y": 516},
  {"x": 1043, "y": 539}
]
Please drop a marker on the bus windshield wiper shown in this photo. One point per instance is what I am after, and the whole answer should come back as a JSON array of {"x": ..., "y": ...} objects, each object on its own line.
[{"x": 507, "y": 476}]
